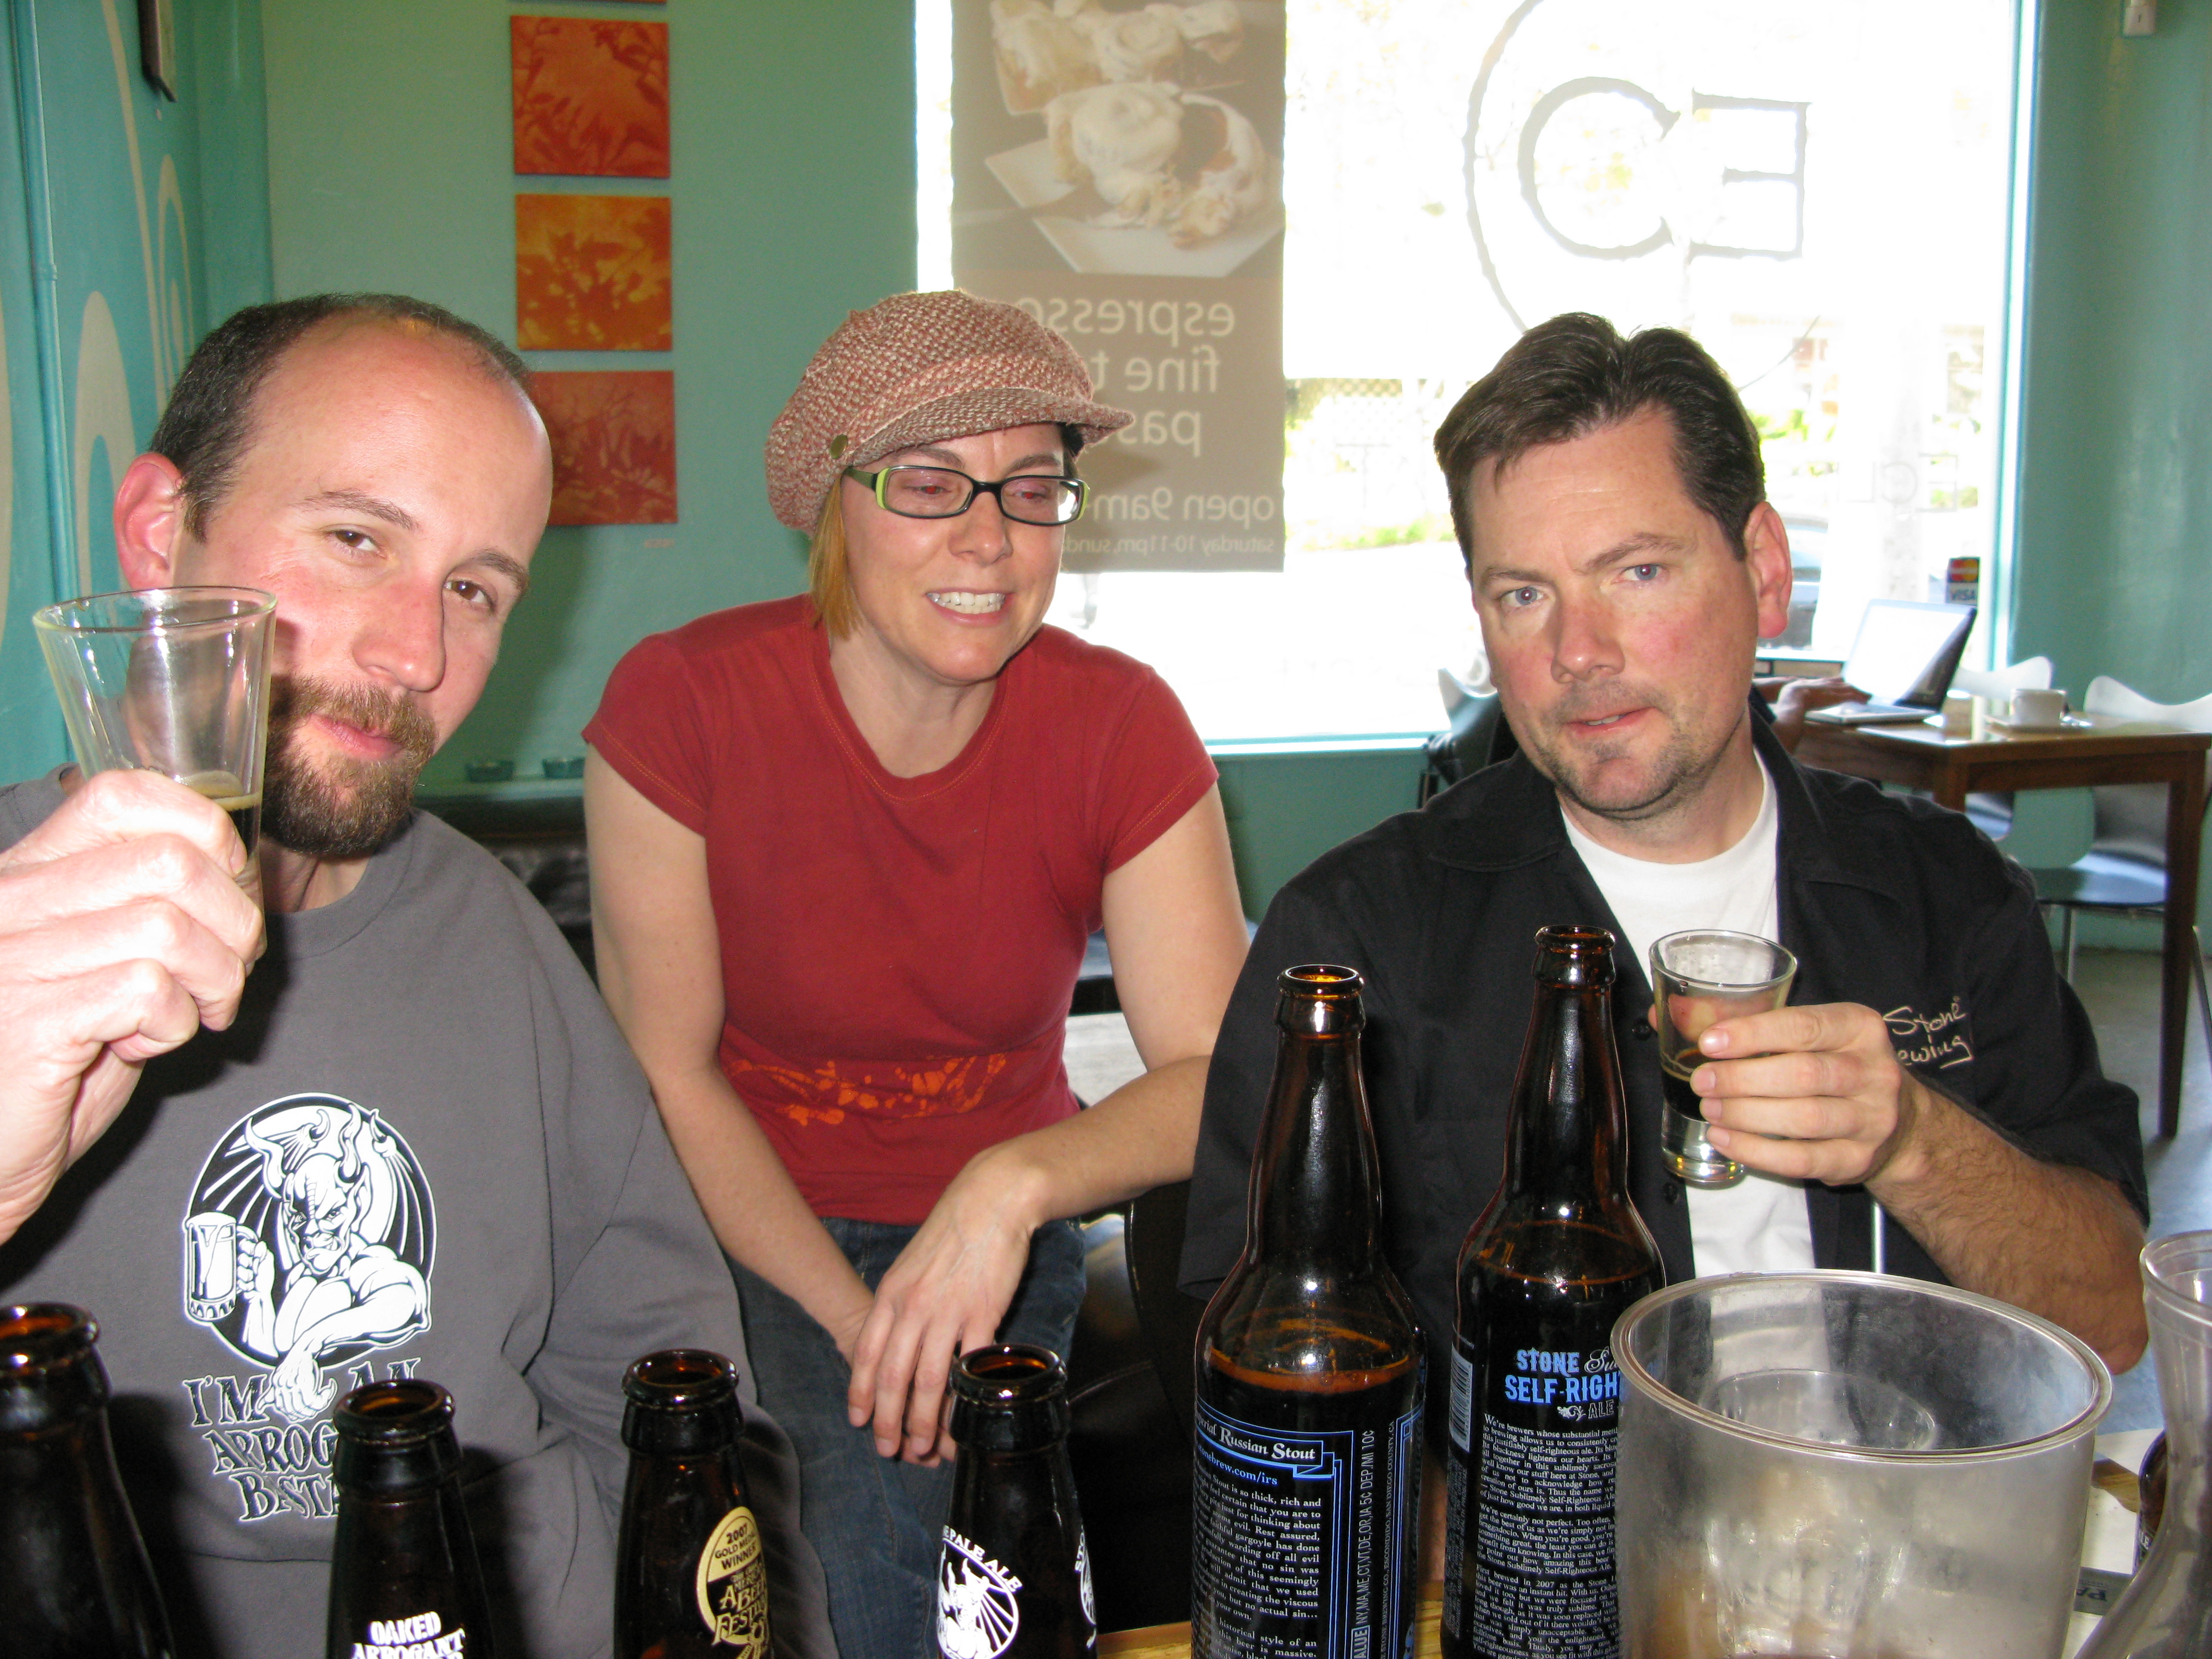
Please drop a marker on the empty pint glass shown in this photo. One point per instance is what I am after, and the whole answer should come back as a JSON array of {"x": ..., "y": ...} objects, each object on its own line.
[{"x": 1700, "y": 978}]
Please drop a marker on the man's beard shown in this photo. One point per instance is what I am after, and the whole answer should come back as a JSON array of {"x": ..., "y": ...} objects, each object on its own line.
[
  {"x": 341, "y": 808},
  {"x": 1677, "y": 773}
]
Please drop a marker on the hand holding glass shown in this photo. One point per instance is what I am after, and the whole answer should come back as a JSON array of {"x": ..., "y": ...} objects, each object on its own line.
[
  {"x": 173, "y": 680},
  {"x": 1700, "y": 978}
]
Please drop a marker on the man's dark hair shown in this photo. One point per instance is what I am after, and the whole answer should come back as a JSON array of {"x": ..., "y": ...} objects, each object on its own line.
[
  {"x": 1575, "y": 375},
  {"x": 209, "y": 415}
]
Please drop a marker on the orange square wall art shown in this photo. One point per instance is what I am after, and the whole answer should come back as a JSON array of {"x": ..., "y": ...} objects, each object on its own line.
[
  {"x": 591, "y": 273},
  {"x": 614, "y": 444},
  {"x": 591, "y": 96}
]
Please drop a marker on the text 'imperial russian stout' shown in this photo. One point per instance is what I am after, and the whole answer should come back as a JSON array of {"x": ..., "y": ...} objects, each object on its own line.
[
  {"x": 1307, "y": 1471},
  {"x": 1555, "y": 1258}
]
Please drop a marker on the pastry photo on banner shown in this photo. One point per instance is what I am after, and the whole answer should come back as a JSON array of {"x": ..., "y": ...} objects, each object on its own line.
[
  {"x": 1117, "y": 171},
  {"x": 1139, "y": 142}
]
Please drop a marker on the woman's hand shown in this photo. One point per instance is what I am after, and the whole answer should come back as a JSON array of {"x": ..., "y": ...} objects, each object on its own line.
[
  {"x": 1177, "y": 936},
  {"x": 944, "y": 1296}
]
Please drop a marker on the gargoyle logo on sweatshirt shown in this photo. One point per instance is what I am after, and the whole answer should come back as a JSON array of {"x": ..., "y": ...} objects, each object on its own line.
[{"x": 308, "y": 1245}]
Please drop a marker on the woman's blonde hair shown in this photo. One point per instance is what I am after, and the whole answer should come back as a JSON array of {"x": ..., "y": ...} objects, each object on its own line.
[{"x": 829, "y": 580}]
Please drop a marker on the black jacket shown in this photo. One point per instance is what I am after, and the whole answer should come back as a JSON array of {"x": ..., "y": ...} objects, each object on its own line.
[{"x": 1891, "y": 902}]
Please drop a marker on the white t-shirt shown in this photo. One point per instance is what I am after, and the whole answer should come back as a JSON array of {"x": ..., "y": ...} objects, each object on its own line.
[{"x": 1761, "y": 1225}]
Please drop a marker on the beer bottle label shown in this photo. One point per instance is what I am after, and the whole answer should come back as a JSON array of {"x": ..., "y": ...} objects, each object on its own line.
[
  {"x": 979, "y": 1602},
  {"x": 420, "y": 1636},
  {"x": 732, "y": 1588},
  {"x": 1462, "y": 1444},
  {"x": 1529, "y": 1511},
  {"x": 1304, "y": 1540},
  {"x": 1083, "y": 1580}
]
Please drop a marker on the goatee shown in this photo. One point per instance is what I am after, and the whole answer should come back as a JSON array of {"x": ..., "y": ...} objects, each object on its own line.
[{"x": 341, "y": 808}]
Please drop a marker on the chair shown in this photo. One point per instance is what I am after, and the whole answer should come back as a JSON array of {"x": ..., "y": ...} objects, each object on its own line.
[
  {"x": 1477, "y": 736},
  {"x": 1992, "y": 811},
  {"x": 2124, "y": 869},
  {"x": 1997, "y": 684},
  {"x": 1130, "y": 1404}
]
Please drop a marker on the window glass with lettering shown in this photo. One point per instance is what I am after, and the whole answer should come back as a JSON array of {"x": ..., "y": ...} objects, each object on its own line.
[{"x": 1819, "y": 192}]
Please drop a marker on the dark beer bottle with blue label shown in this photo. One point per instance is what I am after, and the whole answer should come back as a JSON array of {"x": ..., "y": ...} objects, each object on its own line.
[
  {"x": 1558, "y": 1256},
  {"x": 1307, "y": 1468}
]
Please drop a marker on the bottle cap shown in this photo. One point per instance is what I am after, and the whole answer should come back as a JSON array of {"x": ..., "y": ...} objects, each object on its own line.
[
  {"x": 395, "y": 1436},
  {"x": 1319, "y": 998},
  {"x": 679, "y": 1400},
  {"x": 49, "y": 1372},
  {"x": 1009, "y": 1397}
]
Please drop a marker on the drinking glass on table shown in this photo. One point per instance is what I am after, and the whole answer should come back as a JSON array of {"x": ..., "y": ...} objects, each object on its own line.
[
  {"x": 173, "y": 680},
  {"x": 1699, "y": 978}
]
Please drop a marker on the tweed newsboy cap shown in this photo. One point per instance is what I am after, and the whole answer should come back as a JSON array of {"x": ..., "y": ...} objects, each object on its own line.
[{"x": 915, "y": 369}]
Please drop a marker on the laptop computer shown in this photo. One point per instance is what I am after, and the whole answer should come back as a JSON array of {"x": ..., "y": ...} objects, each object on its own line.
[{"x": 1902, "y": 659}]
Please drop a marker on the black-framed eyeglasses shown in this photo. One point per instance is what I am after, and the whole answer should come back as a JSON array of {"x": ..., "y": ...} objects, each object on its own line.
[{"x": 939, "y": 492}]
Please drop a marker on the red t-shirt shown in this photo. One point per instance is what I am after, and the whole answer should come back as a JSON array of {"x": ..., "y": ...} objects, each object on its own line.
[{"x": 897, "y": 953}]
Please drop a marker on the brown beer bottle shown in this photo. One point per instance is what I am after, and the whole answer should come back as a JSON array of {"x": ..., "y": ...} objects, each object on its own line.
[
  {"x": 74, "y": 1579},
  {"x": 1555, "y": 1258},
  {"x": 690, "y": 1579},
  {"x": 1307, "y": 1473},
  {"x": 404, "y": 1572},
  {"x": 1014, "y": 1577}
]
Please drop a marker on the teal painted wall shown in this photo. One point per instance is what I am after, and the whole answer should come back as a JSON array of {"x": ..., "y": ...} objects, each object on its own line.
[
  {"x": 1286, "y": 810},
  {"x": 793, "y": 183},
  {"x": 2114, "y": 573},
  {"x": 30, "y": 730},
  {"x": 2115, "y": 553},
  {"x": 128, "y": 224}
]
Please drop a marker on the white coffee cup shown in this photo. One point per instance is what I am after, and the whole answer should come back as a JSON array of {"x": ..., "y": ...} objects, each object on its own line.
[{"x": 2036, "y": 710}]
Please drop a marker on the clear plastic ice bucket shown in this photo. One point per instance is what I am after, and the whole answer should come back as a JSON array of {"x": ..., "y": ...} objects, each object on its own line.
[{"x": 1846, "y": 1466}]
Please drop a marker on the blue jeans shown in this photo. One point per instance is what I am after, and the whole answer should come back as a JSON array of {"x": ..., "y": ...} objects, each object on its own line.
[{"x": 878, "y": 1524}]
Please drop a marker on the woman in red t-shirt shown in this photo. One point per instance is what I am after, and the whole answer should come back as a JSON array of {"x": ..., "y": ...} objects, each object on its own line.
[{"x": 846, "y": 851}]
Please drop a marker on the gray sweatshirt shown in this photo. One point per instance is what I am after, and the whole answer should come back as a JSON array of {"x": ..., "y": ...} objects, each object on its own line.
[{"x": 422, "y": 1150}]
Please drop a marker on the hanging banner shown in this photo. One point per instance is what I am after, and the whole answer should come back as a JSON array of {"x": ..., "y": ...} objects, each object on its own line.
[{"x": 1118, "y": 173}]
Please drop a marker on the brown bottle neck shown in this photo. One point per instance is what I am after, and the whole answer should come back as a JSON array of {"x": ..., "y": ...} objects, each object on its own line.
[
  {"x": 50, "y": 1371},
  {"x": 1567, "y": 1137},
  {"x": 697, "y": 1432},
  {"x": 423, "y": 1537},
  {"x": 1317, "y": 1195}
]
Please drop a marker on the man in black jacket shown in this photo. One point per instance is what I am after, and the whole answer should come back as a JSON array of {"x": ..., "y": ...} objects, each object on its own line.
[{"x": 1610, "y": 501}]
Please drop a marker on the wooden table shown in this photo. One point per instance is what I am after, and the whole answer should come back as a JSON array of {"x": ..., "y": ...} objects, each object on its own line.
[{"x": 2106, "y": 751}]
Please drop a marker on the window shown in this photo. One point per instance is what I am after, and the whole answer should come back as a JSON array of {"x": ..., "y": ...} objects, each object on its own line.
[{"x": 1819, "y": 192}]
